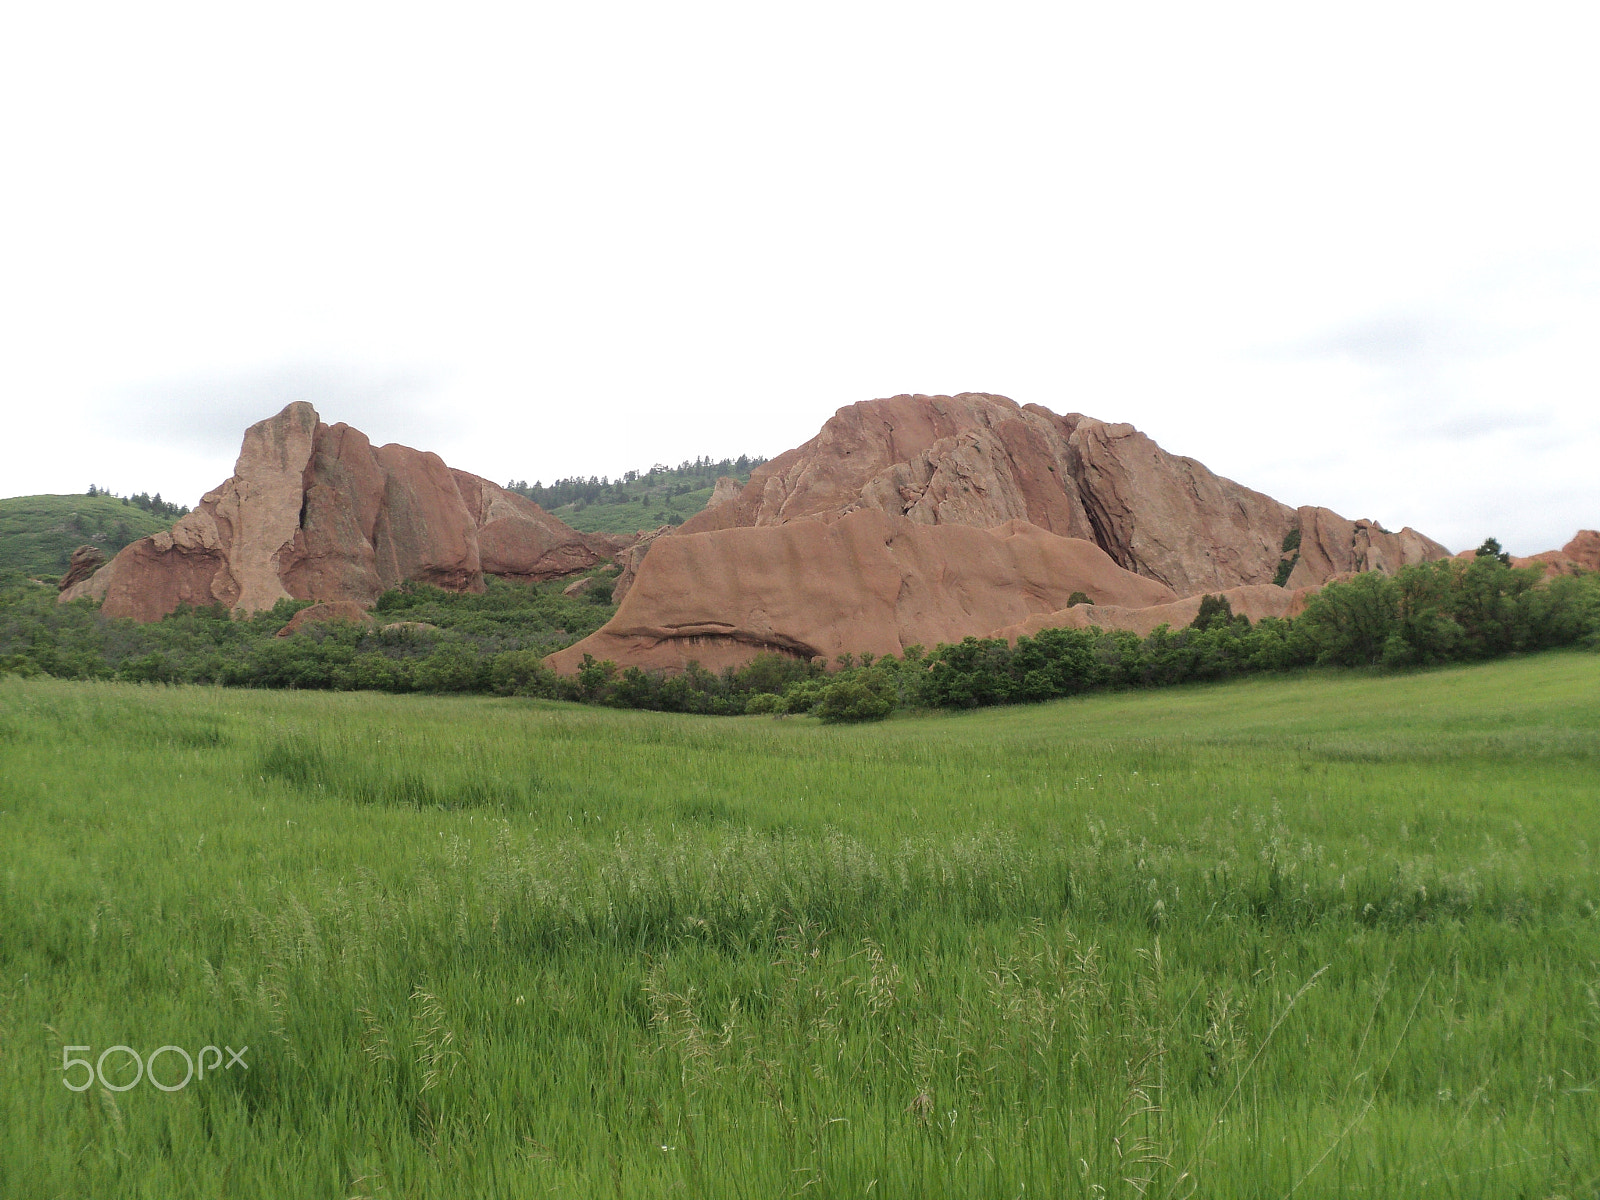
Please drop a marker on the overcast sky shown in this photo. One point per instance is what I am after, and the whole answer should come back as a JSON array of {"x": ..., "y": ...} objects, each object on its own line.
[{"x": 1345, "y": 254}]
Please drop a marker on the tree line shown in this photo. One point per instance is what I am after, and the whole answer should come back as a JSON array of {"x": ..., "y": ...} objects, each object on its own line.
[
  {"x": 659, "y": 481},
  {"x": 150, "y": 504}
]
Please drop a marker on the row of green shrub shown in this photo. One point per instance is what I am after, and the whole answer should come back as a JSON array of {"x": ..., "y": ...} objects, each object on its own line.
[
  {"x": 1443, "y": 612},
  {"x": 1426, "y": 615},
  {"x": 439, "y": 641}
]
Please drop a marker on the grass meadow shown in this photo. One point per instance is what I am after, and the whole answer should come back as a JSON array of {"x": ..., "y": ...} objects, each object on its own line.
[{"x": 1324, "y": 935}]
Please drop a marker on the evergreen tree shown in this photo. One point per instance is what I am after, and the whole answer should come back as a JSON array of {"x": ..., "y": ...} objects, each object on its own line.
[{"x": 1491, "y": 549}]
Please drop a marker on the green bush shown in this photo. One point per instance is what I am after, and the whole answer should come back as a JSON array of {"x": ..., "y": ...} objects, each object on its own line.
[
  {"x": 522, "y": 673},
  {"x": 462, "y": 652},
  {"x": 1214, "y": 611},
  {"x": 774, "y": 673},
  {"x": 850, "y": 701},
  {"x": 1350, "y": 624},
  {"x": 454, "y": 667},
  {"x": 1291, "y": 556},
  {"x": 803, "y": 697},
  {"x": 18, "y": 664}
]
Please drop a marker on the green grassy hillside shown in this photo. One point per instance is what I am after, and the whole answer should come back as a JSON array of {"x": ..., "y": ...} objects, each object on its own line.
[
  {"x": 39, "y": 533},
  {"x": 630, "y": 514},
  {"x": 1329, "y": 935},
  {"x": 639, "y": 499}
]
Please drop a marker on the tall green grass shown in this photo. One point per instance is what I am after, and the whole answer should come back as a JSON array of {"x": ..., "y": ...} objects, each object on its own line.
[{"x": 1332, "y": 935}]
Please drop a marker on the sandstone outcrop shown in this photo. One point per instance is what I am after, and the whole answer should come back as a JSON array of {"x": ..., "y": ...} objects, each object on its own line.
[
  {"x": 976, "y": 462},
  {"x": 727, "y": 489},
  {"x": 868, "y": 581},
  {"x": 226, "y": 550},
  {"x": 1254, "y": 601},
  {"x": 915, "y": 519},
  {"x": 979, "y": 459},
  {"x": 1582, "y": 553},
  {"x": 630, "y": 559},
  {"x": 972, "y": 459},
  {"x": 86, "y": 560},
  {"x": 1332, "y": 546},
  {"x": 1172, "y": 519},
  {"x": 316, "y": 512},
  {"x": 331, "y": 610}
]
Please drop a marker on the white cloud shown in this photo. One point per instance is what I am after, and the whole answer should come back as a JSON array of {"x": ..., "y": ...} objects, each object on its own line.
[
  {"x": 1347, "y": 257},
  {"x": 209, "y": 414}
]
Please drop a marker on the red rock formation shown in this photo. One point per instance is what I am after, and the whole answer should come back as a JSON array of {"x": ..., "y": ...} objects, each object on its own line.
[
  {"x": 227, "y": 550},
  {"x": 978, "y": 459},
  {"x": 1584, "y": 549},
  {"x": 86, "y": 560},
  {"x": 977, "y": 462},
  {"x": 331, "y": 610},
  {"x": 316, "y": 512},
  {"x": 1582, "y": 553},
  {"x": 344, "y": 494},
  {"x": 972, "y": 459},
  {"x": 726, "y": 490},
  {"x": 631, "y": 558},
  {"x": 1172, "y": 519},
  {"x": 868, "y": 581},
  {"x": 1331, "y": 545},
  {"x": 519, "y": 540}
]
